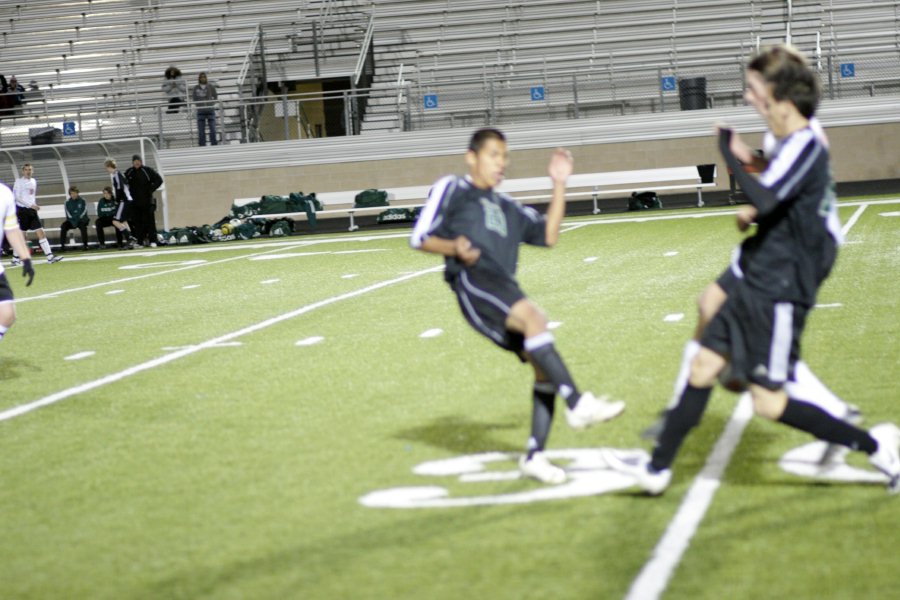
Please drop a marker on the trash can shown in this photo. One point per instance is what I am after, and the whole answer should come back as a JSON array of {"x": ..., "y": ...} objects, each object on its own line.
[
  {"x": 707, "y": 173},
  {"x": 45, "y": 135},
  {"x": 692, "y": 93}
]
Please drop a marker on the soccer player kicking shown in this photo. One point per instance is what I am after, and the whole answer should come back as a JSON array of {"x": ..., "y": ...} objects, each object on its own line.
[
  {"x": 9, "y": 228},
  {"x": 478, "y": 230},
  {"x": 803, "y": 385},
  {"x": 757, "y": 331}
]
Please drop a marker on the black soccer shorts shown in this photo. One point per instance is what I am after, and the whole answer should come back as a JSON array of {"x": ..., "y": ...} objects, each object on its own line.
[
  {"x": 728, "y": 280},
  {"x": 123, "y": 212},
  {"x": 6, "y": 294},
  {"x": 486, "y": 297},
  {"x": 28, "y": 219},
  {"x": 759, "y": 336}
]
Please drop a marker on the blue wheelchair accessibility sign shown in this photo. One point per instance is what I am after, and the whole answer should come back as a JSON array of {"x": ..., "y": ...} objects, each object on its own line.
[
  {"x": 431, "y": 101},
  {"x": 537, "y": 93},
  {"x": 848, "y": 70},
  {"x": 68, "y": 127},
  {"x": 667, "y": 83}
]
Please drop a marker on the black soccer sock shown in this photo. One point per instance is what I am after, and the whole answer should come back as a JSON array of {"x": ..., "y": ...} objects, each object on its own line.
[
  {"x": 543, "y": 354},
  {"x": 812, "y": 419},
  {"x": 543, "y": 403},
  {"x": 680, "y": 419}
]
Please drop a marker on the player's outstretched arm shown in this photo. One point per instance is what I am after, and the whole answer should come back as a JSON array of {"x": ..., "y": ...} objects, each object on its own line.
[{"x": 559, "y": 169}]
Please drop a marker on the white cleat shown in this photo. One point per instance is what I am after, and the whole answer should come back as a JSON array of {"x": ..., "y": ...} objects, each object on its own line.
[
  {"x": 540, "y": 468},
  {"x": 591, "y": 410},
  {"x": 835, "y": 453},
  {"x": 638, "y": 467},
  {"x": 887, "y": 458}
]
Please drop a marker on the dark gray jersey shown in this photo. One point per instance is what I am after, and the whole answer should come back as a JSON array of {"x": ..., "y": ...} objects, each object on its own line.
[
  {"x": 793, "y": 247},
  {"x": 494, "y": 223}
]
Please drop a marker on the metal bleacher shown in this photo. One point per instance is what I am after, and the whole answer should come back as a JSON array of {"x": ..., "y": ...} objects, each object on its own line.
[
  {"x": 94, "y": 57},
  {"x": 100, "y": 62},
  {"x": 606, "y": 58}
]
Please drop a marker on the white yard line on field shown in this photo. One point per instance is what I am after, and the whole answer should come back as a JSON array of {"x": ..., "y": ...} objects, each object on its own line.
[
  {"x": 653, "y": 578},
  {"x": 218, "y": 341},
  {"x": 280, "y": 247},
  {"x": 651, "y": 582},
  {"x": 853, "y": 219}
]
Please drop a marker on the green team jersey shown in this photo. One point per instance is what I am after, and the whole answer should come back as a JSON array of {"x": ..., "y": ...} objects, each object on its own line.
[
  {"x": 76, "y": 211},
  {"x": 107, "y": 208}
]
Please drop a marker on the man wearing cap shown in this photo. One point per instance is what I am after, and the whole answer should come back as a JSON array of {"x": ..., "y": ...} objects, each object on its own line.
[{"x": 142, "y": 182}]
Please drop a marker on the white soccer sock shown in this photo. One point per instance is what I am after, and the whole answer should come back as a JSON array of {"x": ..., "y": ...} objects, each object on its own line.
[
  {"x": 807, "y": 387},
  {"x": 45, "y": 246},
  {"x": 3, "y": 330},
  {"x": 691, "y": 349}
]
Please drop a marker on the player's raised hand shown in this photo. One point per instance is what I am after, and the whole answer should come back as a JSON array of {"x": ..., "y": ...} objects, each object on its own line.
[
  {"x": 561, "y": 165},
  {"x": 465, "y": 252},
  {"x": 27, "y": 271}
]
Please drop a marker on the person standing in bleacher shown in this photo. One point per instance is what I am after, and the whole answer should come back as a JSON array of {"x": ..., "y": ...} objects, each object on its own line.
[
  {"x": 175, "y": 89},
  {"x": 204, "y": 95},
  {"x": 25, "y": 192}
]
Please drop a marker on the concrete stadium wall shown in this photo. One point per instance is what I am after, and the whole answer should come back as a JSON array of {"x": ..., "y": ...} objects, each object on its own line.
[{"x": 859, "y": 153}]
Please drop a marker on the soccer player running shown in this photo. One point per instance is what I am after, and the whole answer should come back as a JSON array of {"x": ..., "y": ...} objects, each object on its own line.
[
  {"x": 803, "y": 384},
  {"x": 478, "y": 230},
  {"x": 25, "y": 192},
  {"x": 9, "y": 228},
  {"x": 758, "y": 328}
]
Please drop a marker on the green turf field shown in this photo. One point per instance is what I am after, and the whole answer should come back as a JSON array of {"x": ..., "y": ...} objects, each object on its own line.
[{"x": 202, "y": 422}]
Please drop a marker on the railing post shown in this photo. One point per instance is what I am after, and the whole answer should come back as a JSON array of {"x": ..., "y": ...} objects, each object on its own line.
[
  {"x": 492, "y": 103},
  {"x": 662, "y": 97},
  {"x": 284, "y": 113},
  {"x": 316, "y": 46},
  {"x": 243, "y": 112},
  {"x": 830, "y": 80},
  {"x": 348, "y": 115},
  {"x": 575, "y": 95},
  {"x": 159, "y": 119}
]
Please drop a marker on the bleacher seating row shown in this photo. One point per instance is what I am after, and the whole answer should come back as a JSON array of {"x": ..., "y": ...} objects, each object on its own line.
[{"x": 94, "y": 52}]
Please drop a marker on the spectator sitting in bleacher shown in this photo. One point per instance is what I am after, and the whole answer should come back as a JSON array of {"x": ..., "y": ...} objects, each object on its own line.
[
  {"x": 5, "y": 98},
  {"x": 76, "y": 218},
  {"x": 175, "y": 89},
  {"x": 106, "y": 213},
  {"x": 17, "y": 93},
  {"x": 34, "y": 93}
]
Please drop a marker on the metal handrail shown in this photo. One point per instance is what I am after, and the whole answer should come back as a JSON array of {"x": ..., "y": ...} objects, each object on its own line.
[
  {"x": 245, "y": 66},
  {"x": 364, "y": 51}
]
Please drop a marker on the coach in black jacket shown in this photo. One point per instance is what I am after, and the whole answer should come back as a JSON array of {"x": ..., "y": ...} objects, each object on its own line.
[{"x": 143, "y": 181}]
